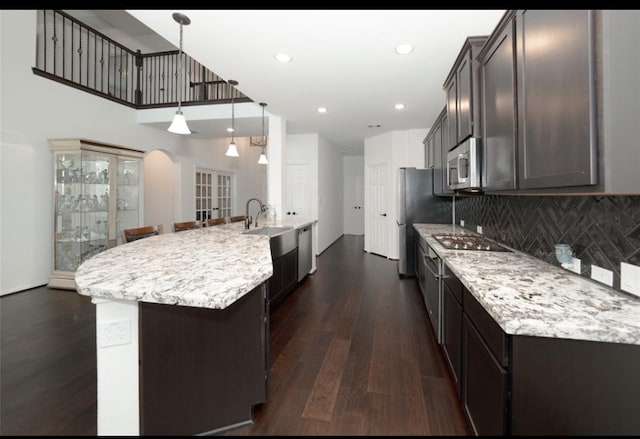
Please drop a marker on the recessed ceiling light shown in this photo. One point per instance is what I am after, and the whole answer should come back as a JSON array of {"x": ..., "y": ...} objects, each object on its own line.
[
  {"x": 403, "y": 49},
  {"x": 399, "y": 106},
  {"x": 322, "y": 110},
  {"x": 282, "y": 57},
  {"x": 231, "y": 130}
]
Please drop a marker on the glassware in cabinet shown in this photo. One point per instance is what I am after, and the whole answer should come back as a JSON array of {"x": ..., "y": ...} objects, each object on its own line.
[{"x": 87, "y": 218}]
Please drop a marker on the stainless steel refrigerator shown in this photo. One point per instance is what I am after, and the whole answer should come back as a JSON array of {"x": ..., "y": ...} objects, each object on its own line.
[{"x": 417, "y": 204}]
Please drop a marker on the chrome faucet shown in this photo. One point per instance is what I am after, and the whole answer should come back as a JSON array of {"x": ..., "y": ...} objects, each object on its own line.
[{"x": 247, "y": 217}]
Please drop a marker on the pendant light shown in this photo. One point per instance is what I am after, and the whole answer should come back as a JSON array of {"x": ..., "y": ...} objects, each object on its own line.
[
  {"x": 232, "y": 151},
  {"x": 263, "y": 157},
  {"x": 179, "y": 123}
]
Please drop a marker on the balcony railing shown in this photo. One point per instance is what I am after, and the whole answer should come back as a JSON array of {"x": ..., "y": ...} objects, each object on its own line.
[{"x": 70, "y": 52}]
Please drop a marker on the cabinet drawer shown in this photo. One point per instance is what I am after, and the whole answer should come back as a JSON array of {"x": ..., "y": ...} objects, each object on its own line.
[
  {"x": 491, "y": 332},
  {"x": 453, "y": 284}
]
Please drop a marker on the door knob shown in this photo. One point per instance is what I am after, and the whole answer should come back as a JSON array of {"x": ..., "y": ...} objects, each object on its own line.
[{"x": 383, "y": 214}]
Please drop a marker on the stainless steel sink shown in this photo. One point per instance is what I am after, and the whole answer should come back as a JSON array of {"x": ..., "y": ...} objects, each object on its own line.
[
  {"x": 281, "y": 239},
  {"x": 270, "y": 231}
]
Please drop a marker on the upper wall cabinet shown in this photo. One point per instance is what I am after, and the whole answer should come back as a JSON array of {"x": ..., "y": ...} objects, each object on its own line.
[
  {"x": 436, "y": 152},
  {"x": 559, "y": 102},
  {"x": 498, "y": 107},
  {"x": 462, "y": 90},
  {"x": 556, "y": 99}
]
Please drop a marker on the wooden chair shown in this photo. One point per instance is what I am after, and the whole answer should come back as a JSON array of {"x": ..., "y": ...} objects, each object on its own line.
[
  {"x": 186, "y": 225},
  {"x": 235, "y": 219},
  {"x": 215, "y": 221},
  {"x": 129, "y": 235}
]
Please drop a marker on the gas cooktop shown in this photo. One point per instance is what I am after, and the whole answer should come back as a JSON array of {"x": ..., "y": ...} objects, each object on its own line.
[{"x": 469, "y": 242}]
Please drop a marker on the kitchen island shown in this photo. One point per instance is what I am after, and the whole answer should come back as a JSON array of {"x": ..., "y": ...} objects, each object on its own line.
[
  {"x": 536, "y": 349},
  {"x": 181, "y": 330}
]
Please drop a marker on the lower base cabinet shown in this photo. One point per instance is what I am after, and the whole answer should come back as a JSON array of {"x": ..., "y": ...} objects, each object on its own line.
[
  {"x": 484, "y": 393},
  {"x": 452, "y": 326},
  {"x": 522, "y": 385},
  {"x": 285, "y": 277}
]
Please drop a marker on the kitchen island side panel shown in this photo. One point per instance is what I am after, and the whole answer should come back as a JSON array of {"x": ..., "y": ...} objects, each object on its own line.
[{"x": 202, "y": 369}]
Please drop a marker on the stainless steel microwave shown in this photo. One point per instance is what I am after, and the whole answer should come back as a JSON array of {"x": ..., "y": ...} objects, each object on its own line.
[{"x": 464, "y": 165}]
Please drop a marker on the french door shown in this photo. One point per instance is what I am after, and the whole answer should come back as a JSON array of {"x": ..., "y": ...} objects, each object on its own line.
[{"x": 213, "y": 194}]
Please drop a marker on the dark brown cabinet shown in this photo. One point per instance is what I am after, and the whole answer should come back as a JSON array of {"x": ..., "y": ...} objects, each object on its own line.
[
  {"x": 285, "y": 277},
  {"x": 484, "y": 370},
  {"x": 556, "y": 98},
  {"x": 437, "y": 146},
  {"x": 463, "y": 91},
  {"x": 452, "y": 325},
  {"x": 498, "y": 107},
  {"x": 558, "y": 95}
]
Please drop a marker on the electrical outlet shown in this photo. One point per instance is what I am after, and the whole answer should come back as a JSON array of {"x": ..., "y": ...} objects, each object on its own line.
[
  {"x": 462, "y": 223},
  {"x": 575, "y": 265},
  {"x": 479, "y": 229},
  {"x": 630, "y": 278},
  {"x": 602, "y": 275},
  {"x": 115, "y": 332}
]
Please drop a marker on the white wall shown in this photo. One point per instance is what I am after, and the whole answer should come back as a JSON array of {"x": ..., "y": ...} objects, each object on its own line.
[
  {"x": 250, "y": 178},
  {"x": 34, "y": 109},
  {"x": 330, "y": 195},
  {"x": 416, "y": 156},
  {"x": 159, "y": 189}
]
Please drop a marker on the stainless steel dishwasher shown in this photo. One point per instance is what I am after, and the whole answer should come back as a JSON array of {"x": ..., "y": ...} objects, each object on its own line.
[{"x": 304, "y": 251}]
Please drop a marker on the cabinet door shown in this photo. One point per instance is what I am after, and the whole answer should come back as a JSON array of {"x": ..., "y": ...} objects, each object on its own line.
[
  {"x": 556, "y": 99},
  {"x": 128, "y": 209},
  {"x": 452, "y": 329},
  {"x": 499, "y": 113},
  {"x": 275, "y": 285},
  {"x": 465, "y": 88},
  {"x": 438, "y": 169},
  {"x": 484, "y": 384},
  {"x": 452, "y": 114},
  {"x": 428, "y": 152},
  {"x": 420, "y": 266},
  {"x": 445, "y": 147},
  {"x": 290, "y": 270}
]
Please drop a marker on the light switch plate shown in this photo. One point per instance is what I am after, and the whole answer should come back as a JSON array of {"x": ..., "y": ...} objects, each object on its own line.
[
  {"x": 462, "y": 223},
  {"x": 602, "y": 275},
  {"x": 630, "y": 278},
  {"x": 479, "y": 229}
]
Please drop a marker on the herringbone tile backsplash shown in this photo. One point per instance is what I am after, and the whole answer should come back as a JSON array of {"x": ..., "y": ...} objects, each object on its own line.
[{"x": 602, "y": 230}]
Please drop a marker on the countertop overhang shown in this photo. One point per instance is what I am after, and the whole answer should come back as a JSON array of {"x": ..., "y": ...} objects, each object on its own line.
[
  {"x": 210, "y": 267},
  {"x": 530, "y": 297}
]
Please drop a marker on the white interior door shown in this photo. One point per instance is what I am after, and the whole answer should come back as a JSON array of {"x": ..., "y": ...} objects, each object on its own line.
[
  {"x": 354, "y": 205},
  {"x": 298, "y": 192},
  {"x": 376, "y": 212}
]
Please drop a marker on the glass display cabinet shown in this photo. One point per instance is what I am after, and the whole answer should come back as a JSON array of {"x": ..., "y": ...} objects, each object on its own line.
[{"x": 97, "y": 193}]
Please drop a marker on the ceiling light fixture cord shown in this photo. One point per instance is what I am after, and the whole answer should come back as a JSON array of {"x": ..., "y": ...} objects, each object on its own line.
[
  {"x": 232, "y": 151},
  {"x": 263, "y": 157},
  {"x": 179, "y": 124}
]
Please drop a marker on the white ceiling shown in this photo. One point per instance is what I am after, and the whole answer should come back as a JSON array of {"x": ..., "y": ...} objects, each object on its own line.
[{"x": 342, "y": 59}]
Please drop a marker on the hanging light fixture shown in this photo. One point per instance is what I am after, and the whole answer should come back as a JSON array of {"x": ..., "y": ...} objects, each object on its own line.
[
  {"x": 179, "y": 123},
  {"x": 232, "y": 151},
  {"x": 263, "y": 157}
]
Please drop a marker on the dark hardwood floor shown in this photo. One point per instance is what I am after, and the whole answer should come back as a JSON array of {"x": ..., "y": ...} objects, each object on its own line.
[{"x": 351, "y": 352}]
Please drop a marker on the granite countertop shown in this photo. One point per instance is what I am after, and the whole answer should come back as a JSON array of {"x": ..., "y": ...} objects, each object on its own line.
[
  {"x": 211, "y": 267},
  {"x": 530, "y": 297}
]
